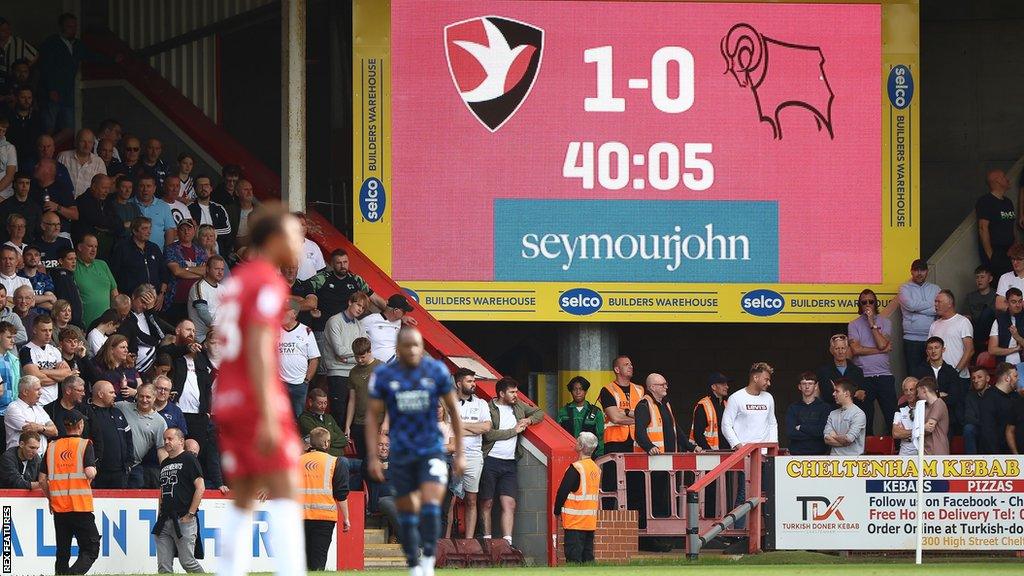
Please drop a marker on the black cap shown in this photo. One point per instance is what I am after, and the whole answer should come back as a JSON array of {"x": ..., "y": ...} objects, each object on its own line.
[
  {"x": 72, "y": 417},
  {"x": 718, "y": 378},
  {"x": 919, "y": 264},
  {"x": 399, "y": 302}
]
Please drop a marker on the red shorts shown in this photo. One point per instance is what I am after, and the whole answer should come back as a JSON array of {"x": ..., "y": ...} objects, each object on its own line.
[{"x": 238, "y": 454}]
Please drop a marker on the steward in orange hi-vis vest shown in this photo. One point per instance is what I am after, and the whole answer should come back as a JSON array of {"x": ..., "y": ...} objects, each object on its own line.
[
  {"x": 65, "y": 476},
  {"x": 324, "y": 491},
  {"x": 577, "y": 501}
]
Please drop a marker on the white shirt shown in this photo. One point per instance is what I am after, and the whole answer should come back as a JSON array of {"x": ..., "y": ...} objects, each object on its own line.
[
  {"x": 96, "y": 340},
  {"x": 750, "y": 418},
  {"x": 1012, "y": 358},
  {"x": 902, "y": 417},
  {"x": 146, "y": 354},
  {"x": 45, "y": 358},
  {"x": 1007, "y": 281},
  {"x": 81, "y": 174},
  {"x": 204, "y": 214},
  {"x": 18, "y": 414},
  {"x": 179, "y": 211},
  {"x": 8, "y": 158},
  {"x": 953, "y": 330},
  {"x": 12, "y": 283},
  {"x": 211, "y": 294},
  {"x": 297, "y": 348},
  {"x": 189, "y": 400},
  {"x": 505, "y": 449},
  {"x": 383, "y": 335},
  {"x": 473, "y": 411},
  {"x": 312, "y": 260},
  {"x": 243, "y": 221}
]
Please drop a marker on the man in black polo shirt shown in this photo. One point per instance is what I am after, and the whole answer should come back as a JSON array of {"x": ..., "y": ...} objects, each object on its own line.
[
  {"x": 336, "y": 286},
  {"x": 996, "y": 219}
]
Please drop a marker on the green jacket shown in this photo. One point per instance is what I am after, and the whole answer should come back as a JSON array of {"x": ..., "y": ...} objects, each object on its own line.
[
  {"x": 308, "y": 421},
  {"x": 590, "y": 419},
  {"x": 521, "y": 410}
]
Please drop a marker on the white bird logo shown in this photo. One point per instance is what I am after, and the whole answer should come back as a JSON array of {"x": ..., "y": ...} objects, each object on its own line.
[{"x": 496, "y": 59}]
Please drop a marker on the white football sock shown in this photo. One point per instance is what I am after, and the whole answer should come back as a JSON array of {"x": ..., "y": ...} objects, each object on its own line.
[
  {"x": 509, "y": 538},
  {"x": 235, "y": 538},
  {"x": 287, "y": 537},
  {"x": 427, "y": 565}
]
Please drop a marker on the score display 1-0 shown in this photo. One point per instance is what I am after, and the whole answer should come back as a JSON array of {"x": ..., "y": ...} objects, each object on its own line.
[{"x": 663, "y": 159}]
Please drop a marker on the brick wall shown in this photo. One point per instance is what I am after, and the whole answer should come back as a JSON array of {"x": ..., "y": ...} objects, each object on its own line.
[{"x": 616, "y": 539}]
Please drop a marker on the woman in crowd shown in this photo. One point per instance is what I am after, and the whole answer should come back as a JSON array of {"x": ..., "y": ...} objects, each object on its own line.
[
  {"x": 102, "y": 328},
  {"x": 61, "y": 319},
  {"x": 115, "y": 365}
]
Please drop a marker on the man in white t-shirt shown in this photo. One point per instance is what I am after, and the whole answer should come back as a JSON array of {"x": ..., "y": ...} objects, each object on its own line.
[
  {"x": 172, "y": 193},
  {"x": 903, "y": 420},
  {"x": 1005, "y": 338},
  {"x": 299, "y": 358},
  {"x": 204, "y": 297},
  {"x": 750, "y": 412},
  {"x": 40, "y": 358},
  {"x": 312, "y": 260},
  {"x": 476, "y": 419},
  {"x": 1012, "y": 279},
  {"x": 956, "y": 332},
  {"x": 9, "y": 270},
  {"x": 382, "y": 329}
]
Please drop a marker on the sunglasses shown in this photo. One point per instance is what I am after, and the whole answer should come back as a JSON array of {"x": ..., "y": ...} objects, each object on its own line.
[
  {"x": 866, "y": 302},
  {"x": 132, "y": 149},
  {"x": 838, "y": 337}
]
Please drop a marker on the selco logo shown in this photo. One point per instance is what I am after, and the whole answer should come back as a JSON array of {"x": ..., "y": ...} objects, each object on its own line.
[
  {"x": 580, "y": 301},
  {"x": 901, "y": 86},
  {"x": 762, "y": 302},
  {"x": 372, "y": 199}
]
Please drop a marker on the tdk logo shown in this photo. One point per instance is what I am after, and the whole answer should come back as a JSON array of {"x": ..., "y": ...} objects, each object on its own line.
[
  {"x": 372, "y": 199},
  {"x": 580, "y": 301},
  {"x": 901, "y": 86},
  {"x": 762, "y": 302}
]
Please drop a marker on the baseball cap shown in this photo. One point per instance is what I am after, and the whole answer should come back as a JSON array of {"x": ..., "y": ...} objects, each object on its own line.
[
  {"x": 718, "y": 378},
  {"x": 399, "y": 302},
  {"x": 919, "y": 264},
  {"x": 72, "y": 417},
  {"x": 186, "y": 222}
]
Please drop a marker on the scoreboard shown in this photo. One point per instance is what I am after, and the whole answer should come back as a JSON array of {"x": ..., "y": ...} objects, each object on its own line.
[{"x": 637, "y": 161}]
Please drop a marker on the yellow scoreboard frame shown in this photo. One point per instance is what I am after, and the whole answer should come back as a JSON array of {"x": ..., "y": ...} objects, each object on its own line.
[{"x": 636, "y": 302}]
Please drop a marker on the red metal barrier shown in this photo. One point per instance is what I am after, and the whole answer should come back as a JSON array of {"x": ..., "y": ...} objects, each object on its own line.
[
  {"x": 554, "y": 444},
  {"x": 751, "y": 457}
]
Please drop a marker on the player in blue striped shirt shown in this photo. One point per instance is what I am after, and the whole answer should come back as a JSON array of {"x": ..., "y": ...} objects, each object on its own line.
[{"x": 409, "y": 390}]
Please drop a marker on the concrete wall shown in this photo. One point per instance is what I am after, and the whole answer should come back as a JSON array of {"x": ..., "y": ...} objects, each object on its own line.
[
  {"x": 972, "y": 78},
  {"x": 530, "y": 531}
]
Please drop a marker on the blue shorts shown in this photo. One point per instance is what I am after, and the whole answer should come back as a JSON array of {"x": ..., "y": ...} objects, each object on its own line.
[{"x": 407, "y": 475}]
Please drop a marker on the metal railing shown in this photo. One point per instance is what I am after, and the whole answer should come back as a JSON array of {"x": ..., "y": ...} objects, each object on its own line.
[{"x": 751, "y": 457}]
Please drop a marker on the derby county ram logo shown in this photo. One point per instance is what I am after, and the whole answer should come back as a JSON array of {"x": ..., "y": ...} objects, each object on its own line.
[
  {"x": 779, "y": 75},
  {"x": 494, "y": 62}
]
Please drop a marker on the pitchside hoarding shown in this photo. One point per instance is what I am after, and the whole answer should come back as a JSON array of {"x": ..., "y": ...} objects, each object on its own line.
[
  {"x": 870, "y": 503},
  {"x": 624, "y": 161},
  {"x": 126, "y": 547}
]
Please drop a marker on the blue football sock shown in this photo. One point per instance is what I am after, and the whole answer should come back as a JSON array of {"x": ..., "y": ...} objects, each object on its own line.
[
  {"x": 409, "y": 526},
  {"x": 430, "y": 528}
]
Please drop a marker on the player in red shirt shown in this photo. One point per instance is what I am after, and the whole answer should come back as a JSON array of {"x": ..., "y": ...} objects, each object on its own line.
[{"x": 260, "y": 446}]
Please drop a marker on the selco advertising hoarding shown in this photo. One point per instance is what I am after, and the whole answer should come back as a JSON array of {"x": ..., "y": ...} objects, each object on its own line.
[
  {"x": 870, "y": 503},
  {"x": 637, "y": 161}
]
